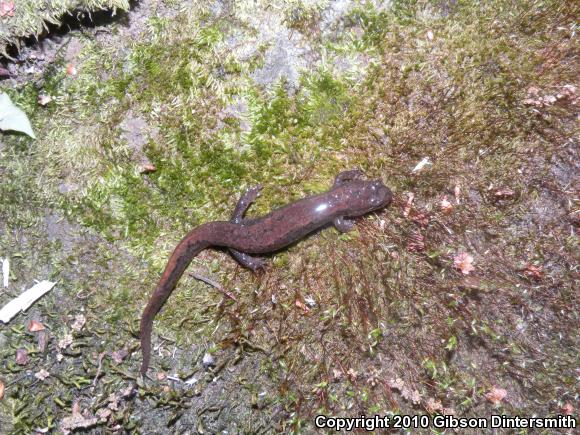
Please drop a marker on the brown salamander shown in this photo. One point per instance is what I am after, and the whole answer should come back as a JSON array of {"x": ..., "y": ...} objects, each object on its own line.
[{"x": 350, "y": 196}]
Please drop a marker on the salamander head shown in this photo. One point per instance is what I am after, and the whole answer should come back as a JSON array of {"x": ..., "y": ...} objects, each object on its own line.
[{"x": 364, "y": 196}]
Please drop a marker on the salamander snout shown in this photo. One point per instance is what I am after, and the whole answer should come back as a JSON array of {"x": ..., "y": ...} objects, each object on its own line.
[{"x": 379, "y": 194}]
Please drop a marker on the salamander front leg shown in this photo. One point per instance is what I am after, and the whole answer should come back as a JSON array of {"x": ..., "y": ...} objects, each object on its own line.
[
  {"x": 246, "y": 260},
  {"x": 343, "y": 224},
  {"x": 245, "y": 201},
  {"x": 346, "y": 176}
]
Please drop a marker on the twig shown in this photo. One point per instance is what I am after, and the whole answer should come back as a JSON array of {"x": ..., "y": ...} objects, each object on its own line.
[{"x": 213, "y": 284}]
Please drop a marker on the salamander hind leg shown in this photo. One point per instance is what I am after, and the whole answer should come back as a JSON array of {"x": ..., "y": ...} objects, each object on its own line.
[
  {"x": 253, "y": 263},
  {"x": 343, "y": 224},
  {"x": 346, "y": 176}
]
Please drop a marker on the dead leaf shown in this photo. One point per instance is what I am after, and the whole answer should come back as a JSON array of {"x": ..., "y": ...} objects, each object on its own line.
[
  {"x": 397, "y": 384},
  {"x": 44, "y": 99},
  {"x": 496, "y": 395},
  {"x": 412, "y": 396},
  {"x": 464, "y": 262},
  {"x": 147, "y": 168},
  {"x": 7, "y": 8},
  {"x": 71, "y": 70},
  {"x": 22, "y": 357},
  {"x": 35, "y": 326},
  {"x": 420, "y": 219},
  {"x": 505, "y": 193},
  {"x": 416, "y": 242},
  {"x": 302, "y": 305},
  {"x": 446, "y": 206},
  {"x": 352, "y": 374},
  {"x": 534, "y": 272},
  {"x": 567, "y": 408},
  {"x": 432, "y": 406},
  {"x": 77, "y": 421}
]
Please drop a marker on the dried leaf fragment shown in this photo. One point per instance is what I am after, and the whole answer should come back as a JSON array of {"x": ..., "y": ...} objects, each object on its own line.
[
  {"x": 34, "y": 326},
  {"x": 416, "y": 242},
  {"x": 534, "y": 272},
  {"x": 432, "y": 406},
  {"x": 147, "y": 168},
  {"x": 567, "y": 408},
  {"x": 302, "y": 305},
  {"x": 420, "y": 219},
  {"x": 22, "y": 357},
  {"x": 464, "y": 262},
  {"x": 505, "y": 193},
  {"x": 496, "y": 395},
  {"x": 77, "y": 421},
  {"x": 7, "y": 8},
  {"x": 397, "y": 384},
  {"x": 71, "y": 70},
  {"x": 445, "y": 205},
  {"x": 44, "y": 99}
]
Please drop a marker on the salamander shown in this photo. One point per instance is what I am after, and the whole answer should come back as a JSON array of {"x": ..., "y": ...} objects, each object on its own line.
[{"x": 350, "y": 196}]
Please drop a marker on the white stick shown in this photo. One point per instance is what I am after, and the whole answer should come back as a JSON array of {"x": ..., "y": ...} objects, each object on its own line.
[{"x": 25, "y": 300}]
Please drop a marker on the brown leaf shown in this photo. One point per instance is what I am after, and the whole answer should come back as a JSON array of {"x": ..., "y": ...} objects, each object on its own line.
[
  {"x": 432, "y": 406},
  {"x": 147, "y": 168},
  {"x": 534, "y": 272},
  {"x": 71, "y": 70},
  {"x": 445, "y": 205},
  {"x": 416, "y": 242},
  {"x": 496, "y": 395},
  {"x": 464, "y": 262},
  {"x": 44, "y": 99},
  {"x": 7, "y": 8},
  {"x": 302, "y": 305},
  {"x": 420, "y": 219},
  {"x": 35, "y": 326},
  {"x": 22, "y": 357},
  {"x": 567, "y": 408},
  {"x": 505, "y": 193}
]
